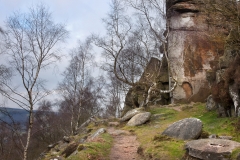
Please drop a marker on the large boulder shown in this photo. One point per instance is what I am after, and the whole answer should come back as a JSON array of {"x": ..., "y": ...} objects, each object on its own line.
[
  {"x": 211, "y": 149},
  {"x": 155, "y": 71},
  {"x": 139, "y": 119},
  {"x": 70, "y": 149},
  {"x": 131, "y": 113},
  {"x": 188, "y": 128}
]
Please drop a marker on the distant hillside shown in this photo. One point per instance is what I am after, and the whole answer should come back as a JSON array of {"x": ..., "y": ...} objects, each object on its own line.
[{"x": 18, "y": 115}]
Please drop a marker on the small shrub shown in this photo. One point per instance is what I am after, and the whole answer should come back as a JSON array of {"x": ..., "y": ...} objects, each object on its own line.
[{"x": 140, "y": 151}]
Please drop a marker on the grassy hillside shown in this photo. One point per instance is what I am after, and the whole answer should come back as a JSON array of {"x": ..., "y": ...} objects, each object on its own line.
[{"x": 152, "y": 144}]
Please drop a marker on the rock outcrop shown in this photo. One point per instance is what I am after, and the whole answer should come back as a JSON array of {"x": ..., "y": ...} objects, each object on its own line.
[
  {"x": 211, "y": 149},
  {"x": 225, "y": 81},
  {"x": 139, "y": 119},
  {"x": 70, "y": 149},
  {"x": 211, "y": 104},
  {"x": 155, "y": 71},
  {"x": 231, "y": 49},
  {"x": 191, "y": 53},
  {"x": 186, "y": 129}
]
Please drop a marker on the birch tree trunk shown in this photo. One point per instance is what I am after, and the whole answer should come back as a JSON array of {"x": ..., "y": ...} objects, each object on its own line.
[{"x": 30, "y": 47}]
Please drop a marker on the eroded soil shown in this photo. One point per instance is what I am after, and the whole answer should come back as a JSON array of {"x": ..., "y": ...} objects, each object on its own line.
[{"x": 125, "y": 145}]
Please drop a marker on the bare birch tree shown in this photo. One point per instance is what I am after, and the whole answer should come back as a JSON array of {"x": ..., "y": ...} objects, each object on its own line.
[
  {"x": 77, "y": 85},
  {"x": 75, "y": 77},
  {"x": 30, "y": 43},
  {"x": 127, "y": 45},
  {"x": 113, "y": 100},
  {"x": 141, "y": 37},
  {"x": 118, "y": 28},
  {"x": 153, "y": 14}
]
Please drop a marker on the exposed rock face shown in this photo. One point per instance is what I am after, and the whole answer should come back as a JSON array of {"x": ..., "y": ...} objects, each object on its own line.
[
  {"x": 225, "y": 82},
  {"x": 139, "y": 119},
  {"x": 191, "y": 54},
  {"x": 188, "y": 128},
  {"x": 211, "y": 149},
  {"x": 155, "y": 71},
  {"x": 70, "y": 149},
  {"x": 211, "y": 104},
  {"x": 231, "y": 49}
]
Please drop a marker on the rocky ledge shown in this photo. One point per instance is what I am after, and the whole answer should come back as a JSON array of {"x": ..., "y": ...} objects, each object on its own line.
[{"x": 211, "y": 149}]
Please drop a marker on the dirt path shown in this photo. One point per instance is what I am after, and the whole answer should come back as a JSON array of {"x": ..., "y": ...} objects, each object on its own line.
[{"x": 125, "y": 145}]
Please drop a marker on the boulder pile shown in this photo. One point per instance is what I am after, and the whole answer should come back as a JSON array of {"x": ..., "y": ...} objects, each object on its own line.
[{"x": 136, "y": 117}]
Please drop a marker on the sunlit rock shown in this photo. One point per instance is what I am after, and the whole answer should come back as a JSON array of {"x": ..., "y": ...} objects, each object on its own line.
[
  {"x": 139, "y": 119},
  {"x": 190, "y": 51}
]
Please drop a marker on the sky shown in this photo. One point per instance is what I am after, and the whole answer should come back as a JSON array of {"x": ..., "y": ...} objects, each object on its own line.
[{"x": 81, "y": 17}]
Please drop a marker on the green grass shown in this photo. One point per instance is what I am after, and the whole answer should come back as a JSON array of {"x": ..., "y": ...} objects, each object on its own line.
[
  {"x": 99, "y": 149},
  {"x": 162, "y": 110},
  {"x": 235, "y": 153},
  {"x": 219, "y": 126},
  {"x": 154, "y": 146},
  {"x": 214, "y": 125}
]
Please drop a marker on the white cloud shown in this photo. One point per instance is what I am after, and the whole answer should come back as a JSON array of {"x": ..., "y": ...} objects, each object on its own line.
[{"x": 82, "y": 17}]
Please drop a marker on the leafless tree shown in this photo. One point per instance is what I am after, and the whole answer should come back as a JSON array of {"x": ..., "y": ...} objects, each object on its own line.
[
  {"x": 129, "y": 44},
  {"x": 47, "y": 128},
  {"x": 2, "y": 36},
  {"x": 113, "y": 94},
  {"x": 90, "y": 104},
  {"x": 154, "y": 15},
  {"x": 78, "y": 83},
  {"x": 5, "y": 72},
  {"x": 118, "y": 28},
  {"x": 10, "y": 146},
  {"x": 30, "y": 43}
]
